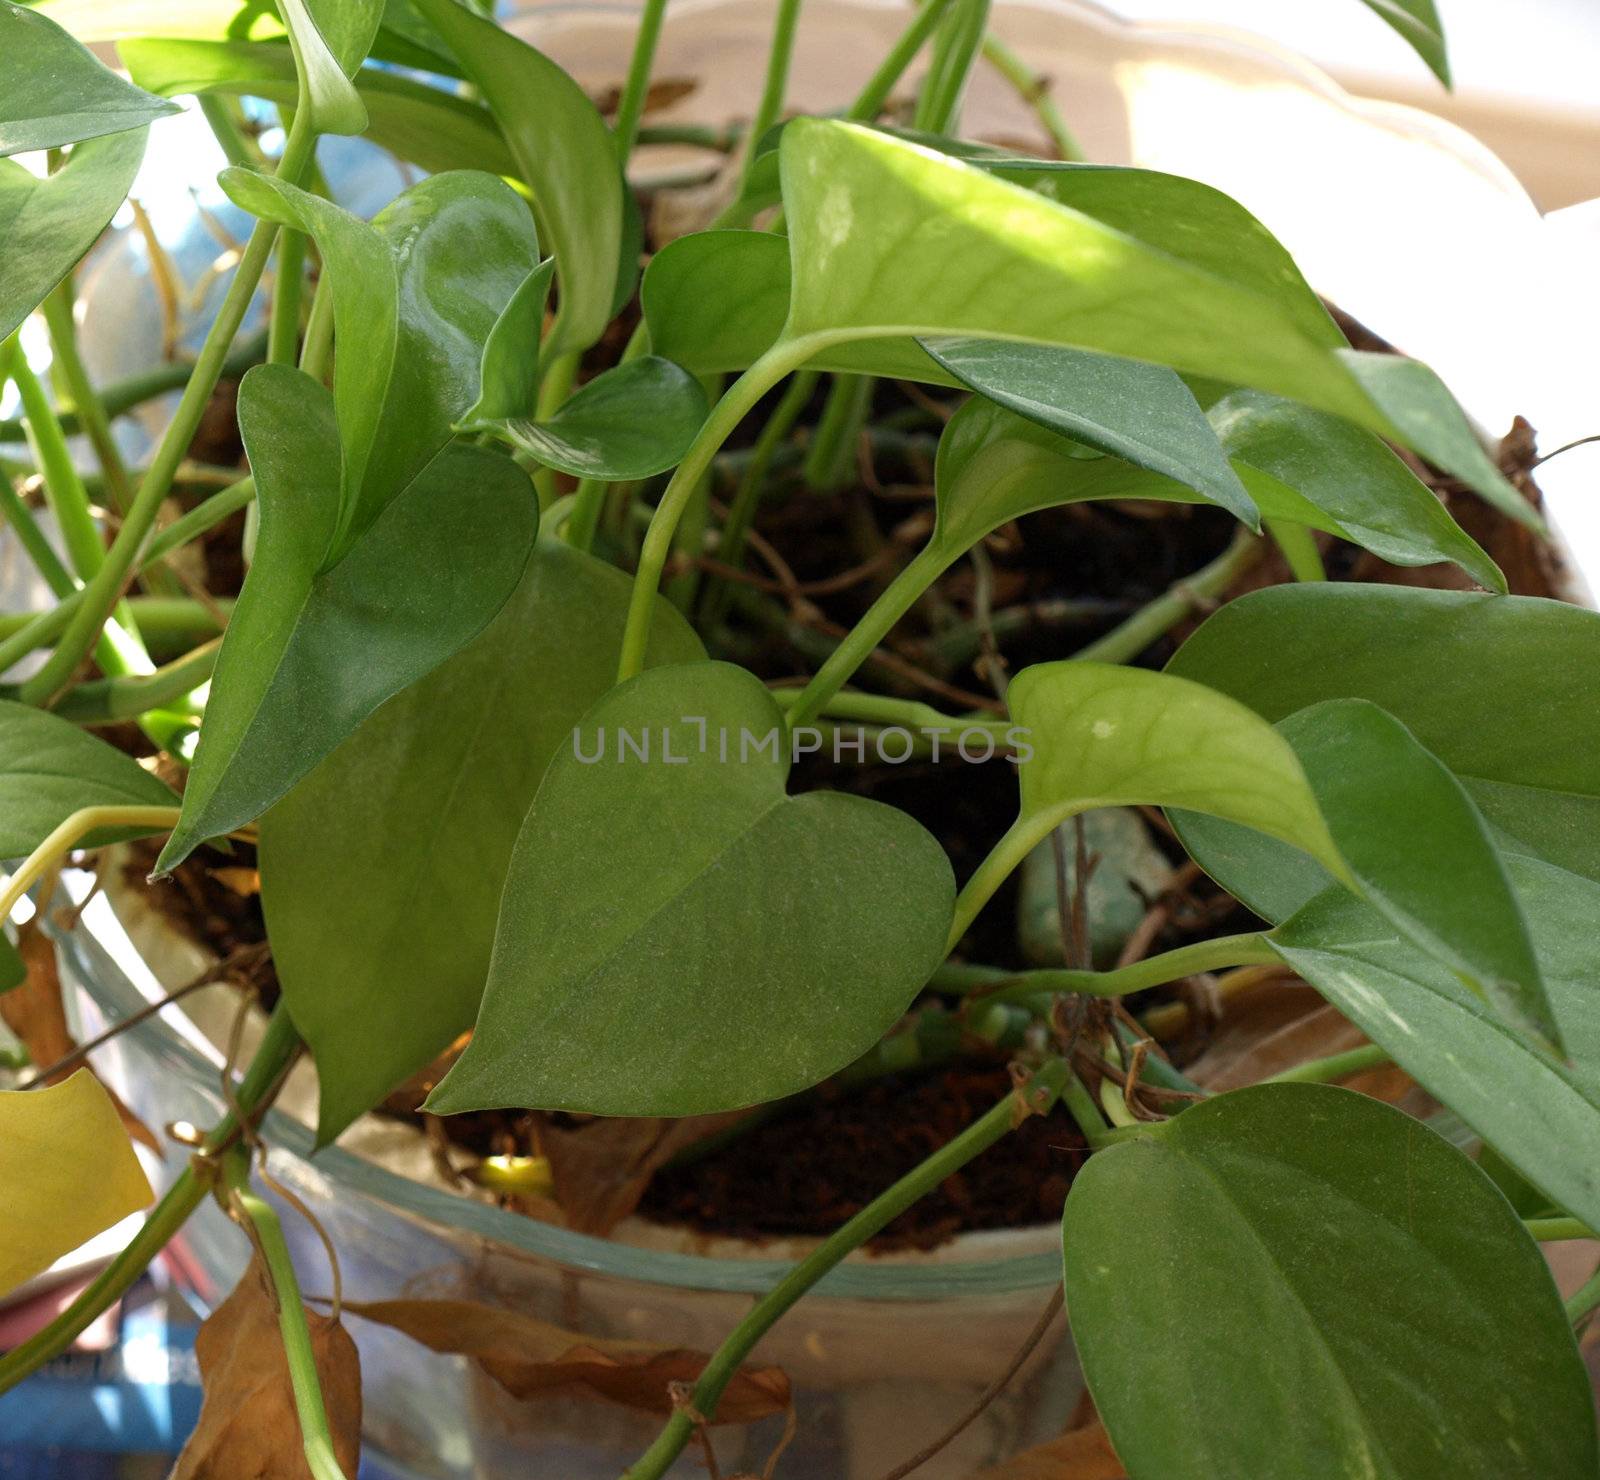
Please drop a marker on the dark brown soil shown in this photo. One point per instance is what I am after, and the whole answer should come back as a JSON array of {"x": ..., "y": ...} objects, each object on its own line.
[{"x": 812, "y": 1166}]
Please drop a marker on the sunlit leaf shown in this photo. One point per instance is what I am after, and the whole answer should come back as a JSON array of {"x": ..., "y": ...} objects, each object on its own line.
[
  {"x": 54, "y": 93},
  {"x": 49, "y": 769},
  {"x": 417, "y": 294},
  {"x": 633, "y": 420},
  {"x": 1298, "y": 1280},
  {"x": 1418, "y": 22},
  {"x": 48, "y": 224},
  {"x": 320, "y": 637},
  {"x": 564, "y": 152},
  {"x": 366, "y": 926},
  {"x": 69, "y": 1172},
  {"x": 728, "y": 943}
]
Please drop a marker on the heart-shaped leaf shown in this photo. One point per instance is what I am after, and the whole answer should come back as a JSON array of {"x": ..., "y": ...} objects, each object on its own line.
[
  {"x": 679, "y": 936},
  {"x": 1466, "y": 674},
  {"x": 319, "y": 639},
  {"x": 381, "y": 872},
  {"x": 417, "y": 294},
  {"x": 1299, "y": 1280},
  {"x": 423, "y": 124},
  {"x": 49, "y": 769},
  {"x": 633, "y": 420},
  {"x": 564, "y": 152},
  {"x": 1536, "y": 1109},
  {"x": 48, "y": 224},
  {"x": 1373, "y": 498},
  {"x": 53, "y": 92},
  {"x": 1418, "y": 22},
  {"x": 1141, "y": 413},
  {"x": 508, "y": 377},
  {"x": 69, "y": 1172}
]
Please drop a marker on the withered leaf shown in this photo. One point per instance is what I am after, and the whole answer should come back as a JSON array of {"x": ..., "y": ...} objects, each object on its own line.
[
  {"x": 1083, "y": 1454},
  {"x": 527, "y": 1356},
  {"x": 36, "y": 1013},
  {"x": 602, "y": 1167},
  {"x": 248, "y": 1427}
]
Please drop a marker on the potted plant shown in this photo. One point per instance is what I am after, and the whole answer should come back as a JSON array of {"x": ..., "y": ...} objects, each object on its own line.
[{"x": 498, "y": 708}]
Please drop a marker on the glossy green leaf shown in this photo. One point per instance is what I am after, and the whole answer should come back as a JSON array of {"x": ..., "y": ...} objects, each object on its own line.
[
  {"x": 335, "y": 106},
  {"x": 1504, "y": 690},
  {"x": 1538, "y": 1110},
  {"x": 1418, "y": 22},
  {"x": 1371, "y": 496},
  {"x": 716, "y": 300},
  {"x": 49, "y": 769},
  {"x": 47, "y": 225},
  {"x": 319, "y": 638},
  {"x": 1104, "y": 735},
  {"x": 508, "y": 377},
  {"x": 1295, "y": 1280},
  {"x": 423, "y": 124},
  {"x": 630, "y": 421},
  {"x": 1142, "y": 413},
  {"x": 1396, "y": 812},
  {"x": 678, "y": 935},
  {"x": 417, "y": 293},
  {"x": 69, "y": 1171},
  {"x": 381, "y": 872},
  {"x": 54, "y": 93},
  {"x": 564, "y": 152}
]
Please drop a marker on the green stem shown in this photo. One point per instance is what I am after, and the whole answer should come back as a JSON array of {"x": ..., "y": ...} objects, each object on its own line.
[
  {"x": 831, "y": 458},
  {"x": 59, "y": 321},
  {"x": 1034, "y": 90},
  {"x": 1299, "y": 547},
  {"x": 911, "y": 714},
  {"x": 630, "y": 107},
  {"x": 1042, "y": 1091},
  {"x": 122, "y": 396},
  {"x": 283, "y": 330},
  {"x": 126, "y": 697},
  {"x": 1183, "y": 599},
  {"x": 315, "y": 1438},
  {"x": 1583, "y": 1301},
  {"x": 897, "y": 598},
  {"x": 278, "y": 1046},
  {"x": 747, "y": 497},
  {"x": 1334, "y": 1067},
  {"x": 955, "y": 49},
  {"x": 870, "y": 103},
  {"x": 1552, "y": 1230},
  {"x": 102, "y": 592},
  {"x": 218, "y": 114},
  {"x": 317, "y": 349},
  {"x": 741, "y": 396},
  {"x": 770, "y": 108}
]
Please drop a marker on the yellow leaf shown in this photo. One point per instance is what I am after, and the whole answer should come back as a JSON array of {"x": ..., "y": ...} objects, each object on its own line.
[{"x": 67, "y": 1172}]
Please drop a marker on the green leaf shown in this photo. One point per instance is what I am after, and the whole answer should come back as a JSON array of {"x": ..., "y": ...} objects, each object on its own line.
[
  {"x": 13, "y": 969},
  {"x": 69, "y": 1171},
  {"x": 1107, "y": 736},
  {"x": 381, "y": 872},
  {"x": 431, "y": 128},
  {"x": 47, "y": 225},
  {"x": 319, "y": 639},
  {"x": 1373, "y": 498},
  {"x": 508, "y": 376},
  {"x": 49, "y": 769},
  {"x": 633, "y": 420},
  {"x": 1295, "y": 1280},
  {"x": 1397, "y": 813},
  {"x": 564, "y": 152},
  {"x": 679, "y": 936},
  {"x": 1142, "y": 413},
  {"x": 54, "y": 93},
  {"x": 417, "y": 294},
  {"x": 1418, "y": 22},
  {"x": 1536, "y": 1109},
  {"x": 334, "y": 105},
  {"x": 1502, "y": 689}
]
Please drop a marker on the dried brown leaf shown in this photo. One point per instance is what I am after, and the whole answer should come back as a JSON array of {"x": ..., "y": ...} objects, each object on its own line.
[
  {"x": 248, "y": 1427},
  {"x": 602, "y": 1167},
  {"x": 528, "y": 1356},
  {"x": 1084, "y": 1454},
  {"x": 37, "y": 1014}
]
